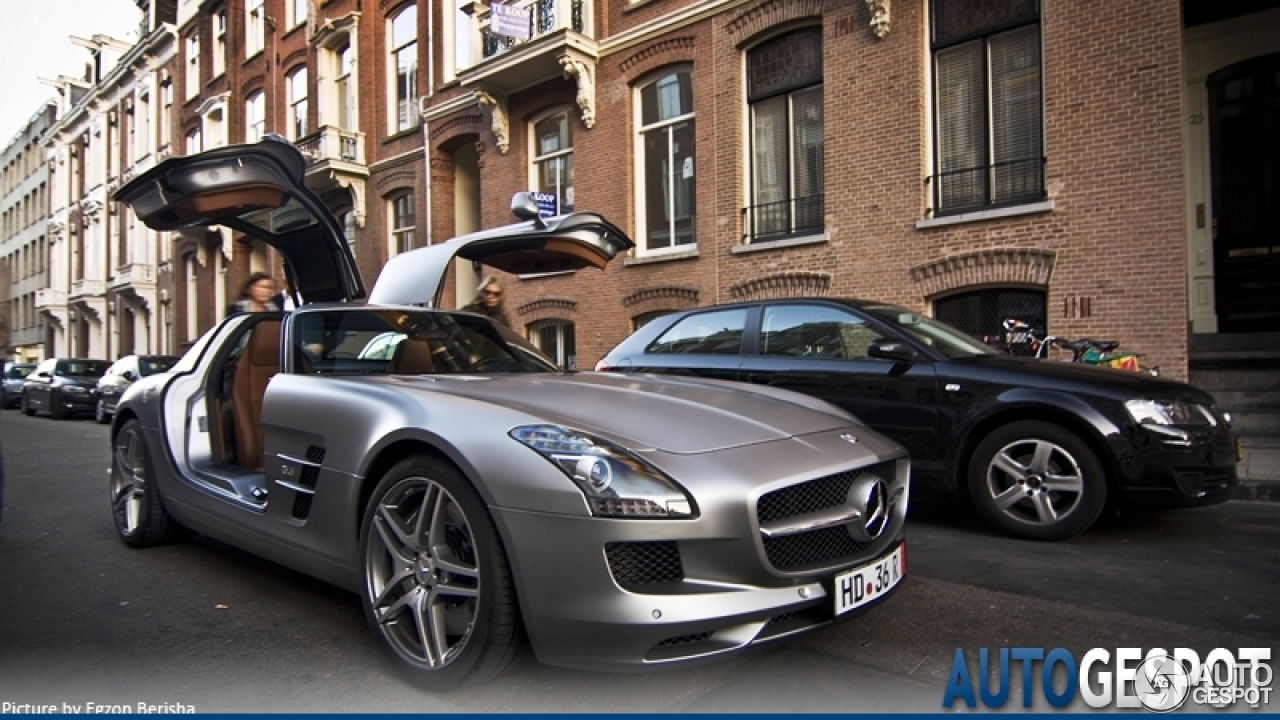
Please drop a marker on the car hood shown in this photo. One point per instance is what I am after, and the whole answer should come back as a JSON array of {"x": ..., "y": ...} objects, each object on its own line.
[
  {"x": 1082, "y": 376},
  {"x": 672, "y": 415}
]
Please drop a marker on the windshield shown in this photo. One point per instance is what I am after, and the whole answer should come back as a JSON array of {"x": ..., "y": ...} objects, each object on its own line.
[
  {"x": 408, "y": 342},
  {"x": 939, "y": 336},
  {"x": 155, "y": 364},
  {"x": 17, "y": 372},
  {"x": 80, "y": 368}
]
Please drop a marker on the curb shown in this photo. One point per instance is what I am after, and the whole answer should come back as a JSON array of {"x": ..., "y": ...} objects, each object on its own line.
[{"x": 1265, "y": 490}]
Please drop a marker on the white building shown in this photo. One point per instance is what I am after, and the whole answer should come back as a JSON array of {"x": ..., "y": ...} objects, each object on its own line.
[
  {"x": 102, "y": 300},
  {"x": 24, "y": 210}
]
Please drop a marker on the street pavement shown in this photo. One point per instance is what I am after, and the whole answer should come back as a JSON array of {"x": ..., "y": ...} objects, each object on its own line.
[{"x": 84, "y": 619}]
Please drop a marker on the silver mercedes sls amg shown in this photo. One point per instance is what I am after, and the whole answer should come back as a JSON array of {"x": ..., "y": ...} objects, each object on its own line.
[{"x": 468, "y": 490}]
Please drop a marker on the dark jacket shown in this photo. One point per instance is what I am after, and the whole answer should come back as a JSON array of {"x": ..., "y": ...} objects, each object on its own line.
[{"x": 495, "y": 313}]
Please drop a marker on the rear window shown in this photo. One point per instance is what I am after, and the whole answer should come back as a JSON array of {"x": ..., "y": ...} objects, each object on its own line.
[
  {"x": 710, "y": 333},
  {"x": 152, "y": 365},
  {"x": 80, "y": 368}
]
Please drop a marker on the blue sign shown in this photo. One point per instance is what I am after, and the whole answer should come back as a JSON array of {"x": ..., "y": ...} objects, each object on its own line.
[{"x": 548, "y": 204}]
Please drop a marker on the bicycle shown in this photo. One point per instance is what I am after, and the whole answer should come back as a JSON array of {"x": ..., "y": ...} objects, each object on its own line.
[{"x": 1104, "y": 353}]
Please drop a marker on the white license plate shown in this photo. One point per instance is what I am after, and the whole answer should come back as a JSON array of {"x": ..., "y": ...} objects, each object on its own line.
[{"x": 861, "y": 585}]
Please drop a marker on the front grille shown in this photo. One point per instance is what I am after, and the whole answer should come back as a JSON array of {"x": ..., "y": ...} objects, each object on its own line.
[
  {"x": 315, "y": 454},
  {"x": 635, "y": 565},
  {"x": 301, "y": 506},
  {"x": 817, "y": 547},
  {"x": 828, "y": 492}
]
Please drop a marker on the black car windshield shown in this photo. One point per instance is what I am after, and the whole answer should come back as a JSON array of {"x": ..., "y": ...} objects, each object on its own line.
[
  {"x": 157, "y": 364},
  {"x": 80, "y": 368},
  {"x": 939, "y": 336},
  {"x": 368, "y": 341}
]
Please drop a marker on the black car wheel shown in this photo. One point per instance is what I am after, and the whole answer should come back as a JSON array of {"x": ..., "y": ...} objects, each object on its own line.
[
  {"x": 437, "y": 585},
  {"x": 100, "y": 413},
  {"x": 55, "y": 409},
  {"x": 1037, "y": 480},
  {"x": 26, "y": 407},
  {"x": 140, "y": 517}
]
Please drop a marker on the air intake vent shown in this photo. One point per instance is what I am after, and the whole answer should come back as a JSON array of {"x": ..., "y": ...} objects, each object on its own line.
[{"x": 636, "y": 565}]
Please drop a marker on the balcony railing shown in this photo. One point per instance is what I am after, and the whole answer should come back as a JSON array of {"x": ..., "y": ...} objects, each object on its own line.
[
  {"x": 88, "y": 288},
  {"x": 545, "y": 16},
  {"x": 134, "y": 274},
  {"x": 1003, "y": 183},
  {"x": 778, "y": 220},
  {"x": 333, "y": 143}
]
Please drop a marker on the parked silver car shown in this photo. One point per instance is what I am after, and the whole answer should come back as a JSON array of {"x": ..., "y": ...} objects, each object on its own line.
[
  {"x": 466, "y": 489},
  {"x": 11, "y": 380}
]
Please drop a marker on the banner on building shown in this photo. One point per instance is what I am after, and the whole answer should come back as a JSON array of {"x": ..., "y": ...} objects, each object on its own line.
[{"x": 510, "y": 21}]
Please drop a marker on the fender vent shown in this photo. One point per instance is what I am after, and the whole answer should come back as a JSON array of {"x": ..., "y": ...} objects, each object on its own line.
[{"x": 635, "y": 565}]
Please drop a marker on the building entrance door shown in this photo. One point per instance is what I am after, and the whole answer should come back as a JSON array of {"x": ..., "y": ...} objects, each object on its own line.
[{"x": 1244, "y": 122}]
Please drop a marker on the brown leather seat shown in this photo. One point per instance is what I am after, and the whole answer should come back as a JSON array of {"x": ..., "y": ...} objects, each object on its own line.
[
  {"x": 411, "y": 357},
  {"x": 259, "y": 362}
]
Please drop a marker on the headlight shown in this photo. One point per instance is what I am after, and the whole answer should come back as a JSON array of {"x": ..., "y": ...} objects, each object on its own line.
[
  {"x": 1165, "y": 412},
  {"x": 616, "y": 483}
]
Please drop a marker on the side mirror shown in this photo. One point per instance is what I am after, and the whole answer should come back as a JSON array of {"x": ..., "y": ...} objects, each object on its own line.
[
  {"x": 894, "y": 350},
  {"x": 129, "y": 375},
  {"x": 525, "y": 207},
  {"x": 42, "y": 375}
]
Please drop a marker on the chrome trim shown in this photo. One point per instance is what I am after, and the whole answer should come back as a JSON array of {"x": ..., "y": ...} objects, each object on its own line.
[
  {"x": 295, "y": 487},
  {"x": 290, "y": 458},
  {"x": 831, "y": 517}
]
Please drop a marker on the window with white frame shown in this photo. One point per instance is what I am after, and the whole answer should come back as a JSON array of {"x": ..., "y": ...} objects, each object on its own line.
[
  {"x": 344, "y": 86},
  {"x": 988, "y": 104},
  {"x": 463, "y": 36},
  {"x": 166, "y": 113},
  {"x": 219, "y": 42},
  {"x": 297, "y": 99},
  {"x": 402, "y": 222},
  {"x": 298, "y": 11},
  {"x": 255, "y": 27},
  {"x": 195, "y": 142},
  {"x": 784, "y": 99},
  {"x": 555, "y": 339},
  {"x": 666, "y": 162},
  {"x": 215, "y": 127},
  {"x": 193, "y": 64},
  {"x": 552, "y": 155},
  {"x": 255, "y": 116},
  {"x": 403, "y": 29}
]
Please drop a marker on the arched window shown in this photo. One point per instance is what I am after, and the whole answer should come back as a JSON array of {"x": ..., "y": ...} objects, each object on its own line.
[
  {"x": 981, "y": 313},
  {"x": 784, "y": 99},
  {"x": 255, "y": 117},
  {"x": 297, "y": 91},
  {"x": 555, "y": 339},
  {"x": 400, "y": 209}
]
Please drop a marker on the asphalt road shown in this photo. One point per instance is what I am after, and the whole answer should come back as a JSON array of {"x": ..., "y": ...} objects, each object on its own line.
[{"x": 83, "y": 619}]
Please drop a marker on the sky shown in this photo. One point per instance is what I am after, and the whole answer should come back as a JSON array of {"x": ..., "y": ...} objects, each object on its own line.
[{"x": 37, "y": 44}]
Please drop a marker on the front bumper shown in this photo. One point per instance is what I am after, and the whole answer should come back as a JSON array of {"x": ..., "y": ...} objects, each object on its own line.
[
  {"x": 1179, "y": 466},
  {"x": 75, "y": 402},
  {"x": 635, "y": 595}
]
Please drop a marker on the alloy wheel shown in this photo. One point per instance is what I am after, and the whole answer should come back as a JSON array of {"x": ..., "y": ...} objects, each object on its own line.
[
  {"x": 1035, "y": 481},
  {"x": 129, "y": 481},
  {"x": 422, "y": 573}
]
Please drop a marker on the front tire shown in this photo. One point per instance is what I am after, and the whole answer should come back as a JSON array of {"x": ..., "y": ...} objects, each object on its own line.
[
  {"x": 55, "y": 410},
  {"x": 1037, "y": 480},
  {"x": 26, "y": 407},
  {"x": 140, "y": 517},
  {"x": 437, "y": 585}
]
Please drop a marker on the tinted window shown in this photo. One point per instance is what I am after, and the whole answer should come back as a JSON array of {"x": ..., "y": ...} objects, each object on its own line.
[
  {"x": 80, "y": 368},
  {"x": 152, "y": 365},
  {"x": 712, "y": 333},
  {"x": 940, "y": 336},
  {"x": 17, "y": 372},
  {"x": 814, "y": 331}
]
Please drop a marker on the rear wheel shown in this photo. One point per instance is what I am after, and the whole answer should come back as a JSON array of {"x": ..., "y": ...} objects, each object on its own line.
[
  {"x": 437, "y": 585},
  {"x": 140, "y": 517},
  {"x": 1037, "y": 480}
]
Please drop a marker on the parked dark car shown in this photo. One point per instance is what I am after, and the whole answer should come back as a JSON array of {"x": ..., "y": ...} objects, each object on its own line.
[
  {"x": 63, "y": 386},
  {"x": 121, "y": 375},
  {"x": 11, "y": 379},
  {"x": 1039, "y": 446}
]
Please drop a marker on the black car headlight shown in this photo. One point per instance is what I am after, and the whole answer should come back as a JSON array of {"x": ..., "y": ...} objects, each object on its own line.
[
  {"x": 615, "y": 482},
  {"x": 1170, "y": 412}
]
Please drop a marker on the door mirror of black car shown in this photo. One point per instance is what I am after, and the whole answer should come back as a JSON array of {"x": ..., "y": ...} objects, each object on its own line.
[
  {"x": 894, "y": 350},
  {"x": 42, "y": 375},
  {"x": 129, "y": 375}
]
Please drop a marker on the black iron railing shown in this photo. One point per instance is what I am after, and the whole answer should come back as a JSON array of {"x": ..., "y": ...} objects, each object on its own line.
[
  {"x": 771, "y": 221},
  {"x": 1002, "y": 183}
]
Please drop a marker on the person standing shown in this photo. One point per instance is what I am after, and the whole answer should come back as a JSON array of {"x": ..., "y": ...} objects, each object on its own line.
[
  {"x": 257, "y": 295},
  {"x": 489, "y": 301}
]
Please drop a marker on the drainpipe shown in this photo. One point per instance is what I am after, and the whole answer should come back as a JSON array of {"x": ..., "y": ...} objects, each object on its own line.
[{"x": 423, "y": 103}]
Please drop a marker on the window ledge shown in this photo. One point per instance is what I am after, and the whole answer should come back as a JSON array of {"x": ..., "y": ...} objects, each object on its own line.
[
  {"x": 980, "y": 215},
  {"x": 661, "y": 257},
  {"x": 814, "y": 239},
  {"x": 636, "y": 4},
  {"x": 538, "y": 276}
]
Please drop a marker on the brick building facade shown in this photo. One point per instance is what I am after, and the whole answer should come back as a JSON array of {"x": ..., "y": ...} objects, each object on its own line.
[{"x": 970, "y": 158}]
